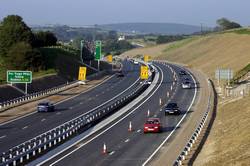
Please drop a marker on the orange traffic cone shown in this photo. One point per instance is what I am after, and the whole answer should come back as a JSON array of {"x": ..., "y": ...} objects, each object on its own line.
[
  {"x": 104, "y": 150},
  {"x": 130, "y": 126}
]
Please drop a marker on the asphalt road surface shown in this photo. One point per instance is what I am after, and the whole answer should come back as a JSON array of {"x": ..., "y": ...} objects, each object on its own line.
[
  {"x": 21, "y": 130},
  {"x": 134, "y": 148}
]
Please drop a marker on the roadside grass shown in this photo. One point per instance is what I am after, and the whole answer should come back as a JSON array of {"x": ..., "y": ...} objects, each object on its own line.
[
  {"x": 43, "y": 73},
  {"x": 241, "y": 73},
  {"x": 241, "y": 31},
  {"x": 211, "y": 52},
  {"x": 181, "y": 43},
  {"x": 229, "y": 140},
  {"x": 51, "y": 54}
]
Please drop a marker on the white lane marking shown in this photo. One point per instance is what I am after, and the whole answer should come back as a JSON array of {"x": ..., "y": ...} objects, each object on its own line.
[
  {"x": 58, "y": 113},
  {"x": 25, "y": 127},
  {"x": 111, "y": 153},
  {"x": 4, "y": 123},
  {"x": 70, "y": 108},
  {"x": 178, "y": 124},
  {"x": 3, "y": 136},
  {"x": 43, "y": 119},
  {"x": 127, "y": 140},
  {"x": 158, "y": 86},
  {"x": 138, "y": 131},
  {"x": 81, "y": 103}
]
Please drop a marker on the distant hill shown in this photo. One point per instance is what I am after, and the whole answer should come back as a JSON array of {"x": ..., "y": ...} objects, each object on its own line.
[{"x": 154, "y": 28}]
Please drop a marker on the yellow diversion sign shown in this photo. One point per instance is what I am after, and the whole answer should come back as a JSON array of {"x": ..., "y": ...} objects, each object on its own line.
[
  {"x": 144, "y": 72},
  {"x": 82, "y": 73},
  {"x": 110, "y": 58}
]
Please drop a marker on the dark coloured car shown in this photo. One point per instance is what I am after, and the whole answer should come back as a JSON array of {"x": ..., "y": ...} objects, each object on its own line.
[
  {"x": 45, "y": 107},
  {"x": 152, "y": 125},
  {"x": 172, "y": 108},
  {"x": 186, "y": 79},
  {"x": 120, "y": 74},
  {"x": 182, "y": 72}
]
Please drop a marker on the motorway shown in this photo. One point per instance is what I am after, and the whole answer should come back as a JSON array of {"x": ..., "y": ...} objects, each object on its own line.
[
  {"x": 134, "y": 148},
  {"x": 18, "y": 131}
]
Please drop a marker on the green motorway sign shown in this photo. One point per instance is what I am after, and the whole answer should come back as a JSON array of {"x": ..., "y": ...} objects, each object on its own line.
[
  {"x": 14, "y": 76},
  {"x": 98, "y": 50}
]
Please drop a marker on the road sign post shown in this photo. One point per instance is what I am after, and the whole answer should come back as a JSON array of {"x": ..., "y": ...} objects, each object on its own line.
[
  {"x": 16, "y": 76},
  {"x": 98, "y": 52},
  {"x": 81, "y": 47}
]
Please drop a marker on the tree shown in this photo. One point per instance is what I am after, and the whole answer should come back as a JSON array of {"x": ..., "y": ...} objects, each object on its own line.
[
  {"x": 21, "y": 56},
  {"x": 13, "y": 30},
  {"x": 43, "y": 39},
  {"x": 226, "y": 24}
]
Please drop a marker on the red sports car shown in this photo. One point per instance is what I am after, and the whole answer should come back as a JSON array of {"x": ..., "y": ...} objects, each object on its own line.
[{"x": 152, "y": 125}]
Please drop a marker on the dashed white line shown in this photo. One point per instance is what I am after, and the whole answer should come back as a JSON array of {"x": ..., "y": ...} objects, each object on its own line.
[
  {"x": 151, "y": 94},
  {"x": 138, "y": 131},
  {"x": 177, "y": 125},
  {"x": 127, "y": 140},
  {"x": 43, "y": 120},
  {"x": 25, "y": 127},
  {"x": 3, "y": 136},
  {"x": 58, "y": 113},
  {"x": 101, "y": 83},
  {"x": 111, "y": 153}
]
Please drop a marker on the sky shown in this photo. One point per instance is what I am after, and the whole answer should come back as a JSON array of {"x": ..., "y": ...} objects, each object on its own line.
[{"x": 90, "y": 12}]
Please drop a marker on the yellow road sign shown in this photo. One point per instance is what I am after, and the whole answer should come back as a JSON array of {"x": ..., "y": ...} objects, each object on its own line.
[
  {"x": 110, "y": 58},
  {"x": 144, "y": 72},
  {"x": 82, "y": 73}
]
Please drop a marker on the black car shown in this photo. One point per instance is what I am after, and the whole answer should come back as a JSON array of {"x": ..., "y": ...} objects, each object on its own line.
[
  {"x": 182, "y": 72},
  {"x": 45, "y": 107},
  {"x": 120, "y": 74},
  {"x": 172, "y": 108}
]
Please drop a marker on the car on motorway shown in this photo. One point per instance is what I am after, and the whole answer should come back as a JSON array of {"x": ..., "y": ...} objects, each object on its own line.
[
  {"x": 172, "y": 108},
  {"x": 186, "y": 79},
  {"x": 182, "y": 72},
  {"x": 186, "y": 85},
  {"x": 120, "y": 74},
  {"x": 136, "y": 62},
  {"x": 45, "y": 106},
  {"x": 152, "y": 125}
]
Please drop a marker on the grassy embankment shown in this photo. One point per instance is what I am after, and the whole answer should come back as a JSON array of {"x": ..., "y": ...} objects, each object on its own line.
[
  {"x": 229, "y": 139},
  {"x": 50, "y": 55}
]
